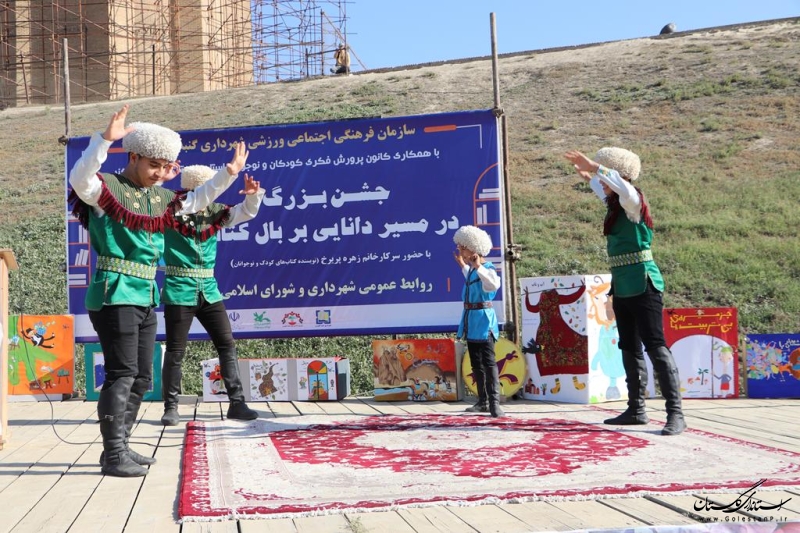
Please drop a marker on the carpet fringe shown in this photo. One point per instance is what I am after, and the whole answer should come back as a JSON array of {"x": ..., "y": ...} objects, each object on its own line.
[{"x": 492, "y": 500}]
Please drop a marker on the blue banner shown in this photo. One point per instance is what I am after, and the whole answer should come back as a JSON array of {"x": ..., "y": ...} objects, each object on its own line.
[{"x": 355, "y": 233}]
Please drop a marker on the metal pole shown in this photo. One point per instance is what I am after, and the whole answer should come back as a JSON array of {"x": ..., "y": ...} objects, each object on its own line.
[
  {"x": 511, "y": 255},
  {"x": 65, "y": 58},
  {"x": 154, "y": 70}
]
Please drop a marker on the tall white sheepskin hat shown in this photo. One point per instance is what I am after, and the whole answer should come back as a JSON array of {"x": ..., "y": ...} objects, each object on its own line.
[
  {"x": 153, "y": 141},
  {"x": 194, "y": 176},
  {"x": 623, "y": 161},
  {"x": 474, "y": 239}
]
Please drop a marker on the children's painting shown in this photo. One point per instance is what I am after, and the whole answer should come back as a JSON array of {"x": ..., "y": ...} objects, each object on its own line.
[
  {"x": 213, "y": 385},
  {"x": 773, "y": 365},
  {"x": 415, "y": 369},
  {"x": 511, "y": 369},
  {"x": 95, "y": 364},
  {"x": 704, "y": 343},
  {"x": 41, "y": 356},
  {"x": 316, "y": 379},
  {"x": 570, "y": 340},
  {"x": 269, "y": 379}
]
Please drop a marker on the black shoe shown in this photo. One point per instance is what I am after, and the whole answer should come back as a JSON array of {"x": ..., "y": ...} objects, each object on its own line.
[
  {"x": 674, "y": 426},
  {"x": 122, "y": 465},
  {"x": 138, "y": 458},
  {"x": 478, "y": 408},
  {"x": 628, "y": 418},
  {"x": 240, "y": 411},
  {"x": 496, "y": 411},
  {"x": 171, "y": 417}
]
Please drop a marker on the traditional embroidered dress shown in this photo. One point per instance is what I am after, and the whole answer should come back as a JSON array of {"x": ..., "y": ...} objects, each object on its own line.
[{"x": 478, "y": 319}]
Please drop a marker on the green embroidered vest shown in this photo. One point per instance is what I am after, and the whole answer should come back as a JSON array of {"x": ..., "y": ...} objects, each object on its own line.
[
  {"x": 628, "y": 245},
  {"x": 190, "y": 255},
  {"x": 128, "y": 243}
]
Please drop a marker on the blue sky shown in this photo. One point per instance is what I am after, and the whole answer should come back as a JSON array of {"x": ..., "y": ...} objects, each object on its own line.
[{"x": 389, "y": 33}]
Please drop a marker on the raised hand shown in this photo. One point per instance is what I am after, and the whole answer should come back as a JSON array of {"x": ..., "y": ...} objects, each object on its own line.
[
  {"x": 585, "y": 167},
  {"x": 251, "y": 186},
  {"x": 116, "y": 129},
  {"x": 239, "y": 159},
  {"x": 172, "y": 171}
]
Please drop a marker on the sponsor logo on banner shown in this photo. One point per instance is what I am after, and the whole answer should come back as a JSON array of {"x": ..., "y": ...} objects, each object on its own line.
[
  {"x": 261, "y": 321},
  {"x": 292, "y": 319},
  {"x": 323, "y": 317},
  {"x": 236, "y": 322}
]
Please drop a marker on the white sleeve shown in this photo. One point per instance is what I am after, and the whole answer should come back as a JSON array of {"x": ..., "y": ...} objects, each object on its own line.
[
  {"x": 201, "y": 197},
  {"x": 597, "y": 187},
  {"x": 628, "y": 197},
  {"x": 490, "y": 281},
  {"x": 83, "y": 176},
  {"x": 247, "y": 210}
]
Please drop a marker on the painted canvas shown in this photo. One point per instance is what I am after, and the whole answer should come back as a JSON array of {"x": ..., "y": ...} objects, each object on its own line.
[
  {"x": 415, "y": 369},
  {"x": 773, "y": 365},
  {"x": 704, "y": 343},
  {"x": 41, "y": 356},
  {"x": 570, "y": 340},
  {"x": 511, "y": 369}
]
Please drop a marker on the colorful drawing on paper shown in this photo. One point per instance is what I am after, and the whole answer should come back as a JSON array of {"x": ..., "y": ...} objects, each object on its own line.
[
  {"x": 316, "y": 379},
  {"x": 773, "y": 365},
  {"x": 415, "y": 369},
  {"x": 41, "y": 355},
  {"x": 269, "y": 379},
  {"x": 704, "y": 343}
]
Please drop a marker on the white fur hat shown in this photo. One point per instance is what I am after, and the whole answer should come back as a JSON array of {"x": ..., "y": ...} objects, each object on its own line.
[
  {"x": 153, "y": 141},
  {"x": 623, "y": 161},
  {"x": 474, "y": 239},
  {"x": 194, "y": 176}
]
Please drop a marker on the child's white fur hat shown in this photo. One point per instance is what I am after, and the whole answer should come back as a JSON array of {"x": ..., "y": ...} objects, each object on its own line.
[
  {"x": 474, "y": 239},
  {"x": 194, "y": 176},
  {"x": 623, "y": 161},
  {"x": 153, "y": 141}
]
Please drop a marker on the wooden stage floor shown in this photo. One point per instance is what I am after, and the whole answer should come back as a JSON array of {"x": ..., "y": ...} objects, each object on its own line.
[{"x": 52, "y": 484}]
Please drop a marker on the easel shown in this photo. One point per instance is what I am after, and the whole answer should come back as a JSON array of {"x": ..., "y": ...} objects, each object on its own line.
[{"x": 7, "y": 262}]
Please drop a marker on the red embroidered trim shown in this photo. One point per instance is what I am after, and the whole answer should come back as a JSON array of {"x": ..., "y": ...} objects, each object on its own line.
[{"x": 119, "y": 213}]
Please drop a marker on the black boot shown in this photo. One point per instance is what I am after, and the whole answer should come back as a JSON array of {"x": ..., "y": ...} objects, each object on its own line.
[
  {"x": 493, "y": 388},
  {"x": 116, "y": 460},
  {"x": 636, "y": 379},
  {"x": 229, "y": 368},
  {"x": 670, "y": 383},
  {"x": 171, "y": 377},
  {"x": 138, "y": 390},
  {"x": 482, "y": 405}
]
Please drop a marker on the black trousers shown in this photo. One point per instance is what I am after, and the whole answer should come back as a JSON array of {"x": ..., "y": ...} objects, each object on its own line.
[
  {"x": 640, "y": 321},
  {"x": 127, "y": 335},
  {"x": 213, "y": 318},
  {"x": 484, "y": 369}
]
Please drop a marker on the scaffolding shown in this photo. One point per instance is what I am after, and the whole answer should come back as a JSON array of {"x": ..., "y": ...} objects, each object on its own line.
[{"x": 120, "y": 49}]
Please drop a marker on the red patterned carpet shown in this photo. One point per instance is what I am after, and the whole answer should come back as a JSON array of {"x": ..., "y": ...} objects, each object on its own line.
[{"x": 315, "y": 465}]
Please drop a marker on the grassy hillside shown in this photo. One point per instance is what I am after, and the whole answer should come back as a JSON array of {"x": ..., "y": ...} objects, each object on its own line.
[{"x": 713, "y": 115}]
